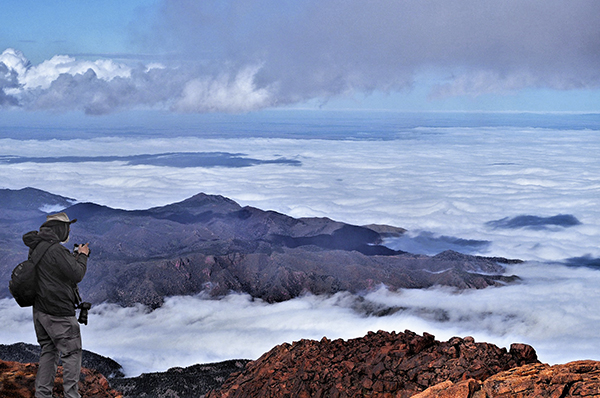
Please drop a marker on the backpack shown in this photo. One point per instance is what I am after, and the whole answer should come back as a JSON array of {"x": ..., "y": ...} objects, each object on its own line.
[{"x": 23, "y": 280}]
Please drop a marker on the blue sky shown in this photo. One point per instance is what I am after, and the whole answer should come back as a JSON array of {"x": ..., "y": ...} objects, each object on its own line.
[
  {"x": 42, "y": 29},
  {"x": 188, "y": 56}
]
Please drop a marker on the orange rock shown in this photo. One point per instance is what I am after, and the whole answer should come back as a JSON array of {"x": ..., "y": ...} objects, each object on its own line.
[
  {"x": 17, "y": 380},
  {"x": 574, "y": 379},
  {"x": 380, "y": 364},
  {"x": 447, "y": 389}
]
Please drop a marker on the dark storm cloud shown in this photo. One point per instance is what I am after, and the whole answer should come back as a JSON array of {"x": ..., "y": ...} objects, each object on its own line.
[
  {"x": 323, "y": 48},
  {"x": 98, "y": 96},
  {"x": 243, "y": 55}
]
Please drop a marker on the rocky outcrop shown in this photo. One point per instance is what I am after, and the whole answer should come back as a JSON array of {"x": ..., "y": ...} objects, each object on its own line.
[
  {"x": 378, "y": 365},
  {"x": 210, "y": 243},
  {"x": 386, "y": 365},
  {"x": 17, "y": 380},
  {"x": 190, "y": 382},
  {"x": 574, "y": 379}
]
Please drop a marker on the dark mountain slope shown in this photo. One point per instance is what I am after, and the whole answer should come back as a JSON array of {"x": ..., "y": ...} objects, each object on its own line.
[{"x": 210, "y": 243}]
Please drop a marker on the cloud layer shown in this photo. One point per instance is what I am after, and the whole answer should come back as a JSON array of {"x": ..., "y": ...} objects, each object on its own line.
[
  {"x": 553, "y": 310},
  {"x": 444, "y": 185},
  {"x": 243, "y": 55}
]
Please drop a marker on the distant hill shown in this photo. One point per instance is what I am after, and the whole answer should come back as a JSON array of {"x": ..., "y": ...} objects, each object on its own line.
[{"x": 210, "y": 243}]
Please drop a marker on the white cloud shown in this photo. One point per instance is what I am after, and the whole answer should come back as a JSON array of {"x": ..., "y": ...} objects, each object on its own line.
[
  {"x": 316, "y": 51},
  {"x": 64, "y": 83},
  {"x": 14, "y": 60},
  {"x": 42, "y": 75},
  {"x": 224, "y": 94}
]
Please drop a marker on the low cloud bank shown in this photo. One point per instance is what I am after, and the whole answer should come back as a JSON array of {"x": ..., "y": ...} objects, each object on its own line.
[
  {"x": 553, "y": 310},
  {"x": 448, "y": 181}
]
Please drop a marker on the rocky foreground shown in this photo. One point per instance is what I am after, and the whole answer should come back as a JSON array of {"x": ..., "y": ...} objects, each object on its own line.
[
  {"x": 394, "y": 365},
  {"x": 378, "y": 365},
  {"x": 17, "y": 380}
]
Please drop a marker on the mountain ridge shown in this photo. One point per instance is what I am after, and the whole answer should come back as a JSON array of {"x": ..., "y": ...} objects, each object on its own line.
[{"x": 210, "y": 243}]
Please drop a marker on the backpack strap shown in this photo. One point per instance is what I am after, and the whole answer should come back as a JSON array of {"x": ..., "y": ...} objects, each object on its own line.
[{"x": 40, "y": 250}]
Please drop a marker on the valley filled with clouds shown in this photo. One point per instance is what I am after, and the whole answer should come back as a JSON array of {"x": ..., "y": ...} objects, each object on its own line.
[
  {"x": 553, "y": 309},
  {"x": 474, "y": 125},
  {"x": 515, "y": 192}
]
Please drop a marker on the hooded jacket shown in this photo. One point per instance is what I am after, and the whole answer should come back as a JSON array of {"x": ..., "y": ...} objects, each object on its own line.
[{"x": 59, "y": 272}]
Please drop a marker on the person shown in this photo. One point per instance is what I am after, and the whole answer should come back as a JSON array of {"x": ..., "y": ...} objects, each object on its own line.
[{"x": 55, "y": 323}]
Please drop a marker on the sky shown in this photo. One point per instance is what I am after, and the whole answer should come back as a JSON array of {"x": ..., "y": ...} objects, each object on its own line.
[{"x": 235, "y": 56}]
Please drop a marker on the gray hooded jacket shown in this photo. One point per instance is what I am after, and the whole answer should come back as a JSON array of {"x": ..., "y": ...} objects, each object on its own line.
[{"x": 59, "y": 272}]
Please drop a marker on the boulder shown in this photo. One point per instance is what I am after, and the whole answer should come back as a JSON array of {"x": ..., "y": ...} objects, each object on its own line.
[{"x": 574, "y": 379}]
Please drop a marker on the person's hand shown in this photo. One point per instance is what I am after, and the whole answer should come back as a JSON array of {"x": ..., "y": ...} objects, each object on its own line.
[{"x": 84, "y": 249}]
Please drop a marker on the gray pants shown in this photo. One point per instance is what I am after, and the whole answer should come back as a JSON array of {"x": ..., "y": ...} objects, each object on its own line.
[{"x": 57, "y": 334}]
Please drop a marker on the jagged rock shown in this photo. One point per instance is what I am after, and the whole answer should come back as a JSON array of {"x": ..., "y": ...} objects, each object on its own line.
[
  {"x": 381, "y": 364},
  {"x": 17, "y": 380},
  {"x": 378, "y": 365},
  {"x": 574, "y": 379}
]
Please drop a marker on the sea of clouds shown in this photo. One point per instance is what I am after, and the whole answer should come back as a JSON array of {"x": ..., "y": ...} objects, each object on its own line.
[
  {"x": 445, "y": 182},
  {"x": 459, "y": 188},
  {"x": 554, "y": 309}
]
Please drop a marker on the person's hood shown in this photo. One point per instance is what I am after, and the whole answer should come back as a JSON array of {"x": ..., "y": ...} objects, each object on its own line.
[{"x": 32, "y": 238}]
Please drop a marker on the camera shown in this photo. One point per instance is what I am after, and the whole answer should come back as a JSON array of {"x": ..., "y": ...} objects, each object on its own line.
[
  {"x": 76, "y": 248},
  {"x": 83, "y": 315}
]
